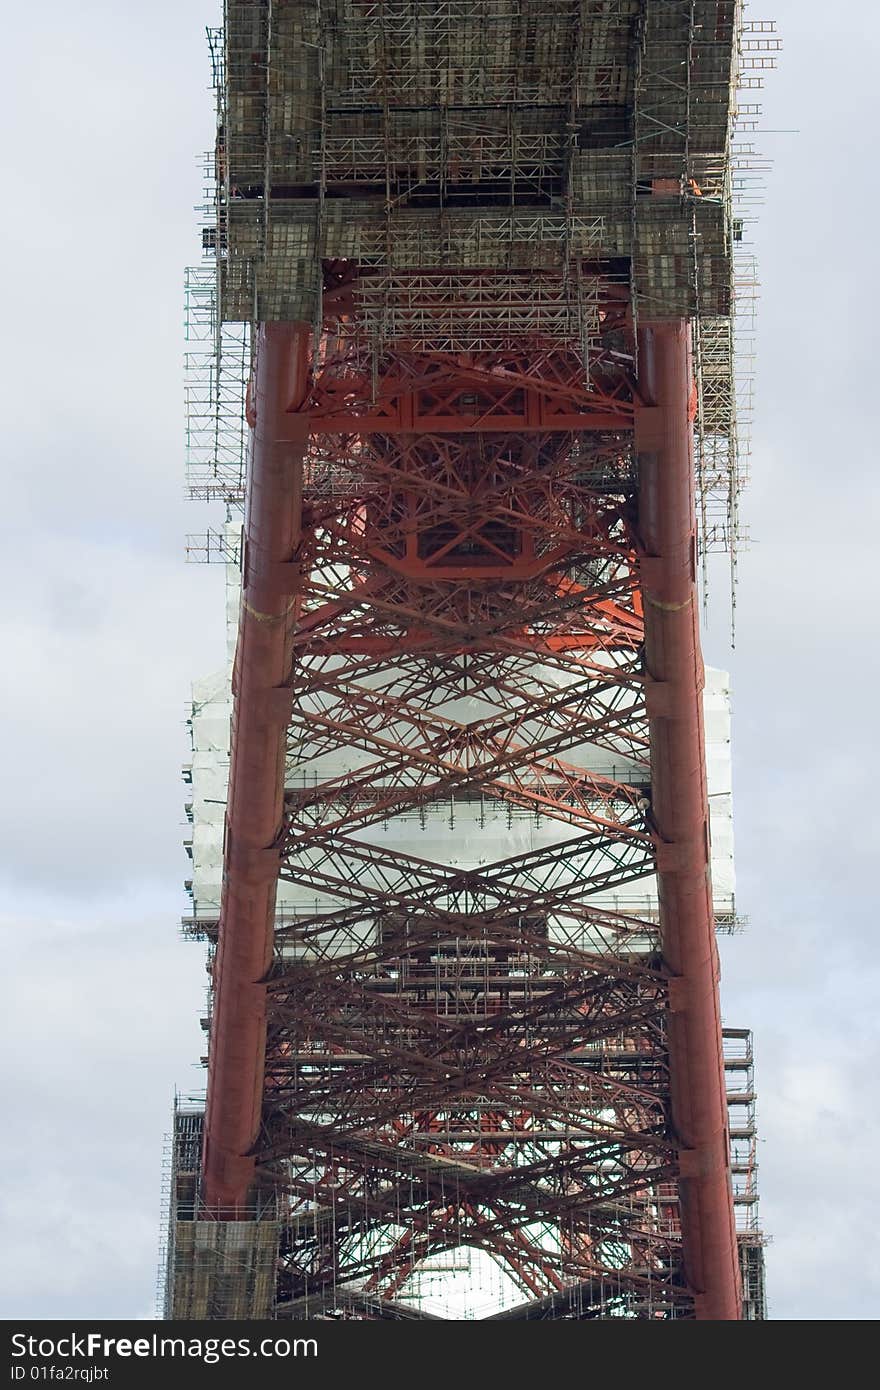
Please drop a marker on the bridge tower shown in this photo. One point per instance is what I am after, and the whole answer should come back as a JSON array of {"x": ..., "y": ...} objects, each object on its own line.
[{"x": 474, "y": 261}]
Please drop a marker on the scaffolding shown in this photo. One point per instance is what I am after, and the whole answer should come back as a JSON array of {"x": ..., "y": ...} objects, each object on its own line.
[
  {"x": 212, "y": 1269},
  {"x": 412, "y": 143},
  {"x": 216, "y": 369}
]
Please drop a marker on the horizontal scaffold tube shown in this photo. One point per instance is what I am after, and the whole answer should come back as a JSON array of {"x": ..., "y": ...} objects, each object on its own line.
[
  {"x": 680, "y": 809},
  {"x": 260, "y": 717}
]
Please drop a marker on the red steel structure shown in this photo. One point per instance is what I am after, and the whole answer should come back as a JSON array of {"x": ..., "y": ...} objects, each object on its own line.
[{"x": 469, "y": 574}]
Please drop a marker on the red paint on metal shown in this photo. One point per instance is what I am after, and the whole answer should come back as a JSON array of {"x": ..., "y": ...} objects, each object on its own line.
[
  {"x": 681, "y": 816},
  {"x": 261, "y": 710}
]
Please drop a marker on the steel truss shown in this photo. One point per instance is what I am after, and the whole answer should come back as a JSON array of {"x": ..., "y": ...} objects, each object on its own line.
[
  {"x": 448, "y": 620},
  {"x": 469, "y": 1056}
]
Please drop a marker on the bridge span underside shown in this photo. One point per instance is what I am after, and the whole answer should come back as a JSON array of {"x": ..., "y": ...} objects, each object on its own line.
[{"x": 465, "y": 984}]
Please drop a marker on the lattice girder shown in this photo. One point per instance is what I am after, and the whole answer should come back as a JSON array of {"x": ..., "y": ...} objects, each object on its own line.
[{"x": 498, "y": 1026}]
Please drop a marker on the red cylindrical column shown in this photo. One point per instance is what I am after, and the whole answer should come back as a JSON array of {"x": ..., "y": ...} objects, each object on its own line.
[
  {"x": 680, "y": 807},
  {"x": 260, "y": 716}
]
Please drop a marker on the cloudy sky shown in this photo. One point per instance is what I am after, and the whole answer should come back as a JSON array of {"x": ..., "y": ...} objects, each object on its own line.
[{"x": 103, "y": 625}]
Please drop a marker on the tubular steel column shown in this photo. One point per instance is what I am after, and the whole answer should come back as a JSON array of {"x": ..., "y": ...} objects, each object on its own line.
[
  {"x": 680, "y": 810},
  {"x": 261, "y": 709}
]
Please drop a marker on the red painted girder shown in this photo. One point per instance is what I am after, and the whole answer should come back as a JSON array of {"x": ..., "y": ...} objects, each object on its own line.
[
  {"x": 674, "y": 671},
  {"x": 261, "y": 710},
  {"x": 396, "y": 419},
  {"x": 423, "y": 395}
]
